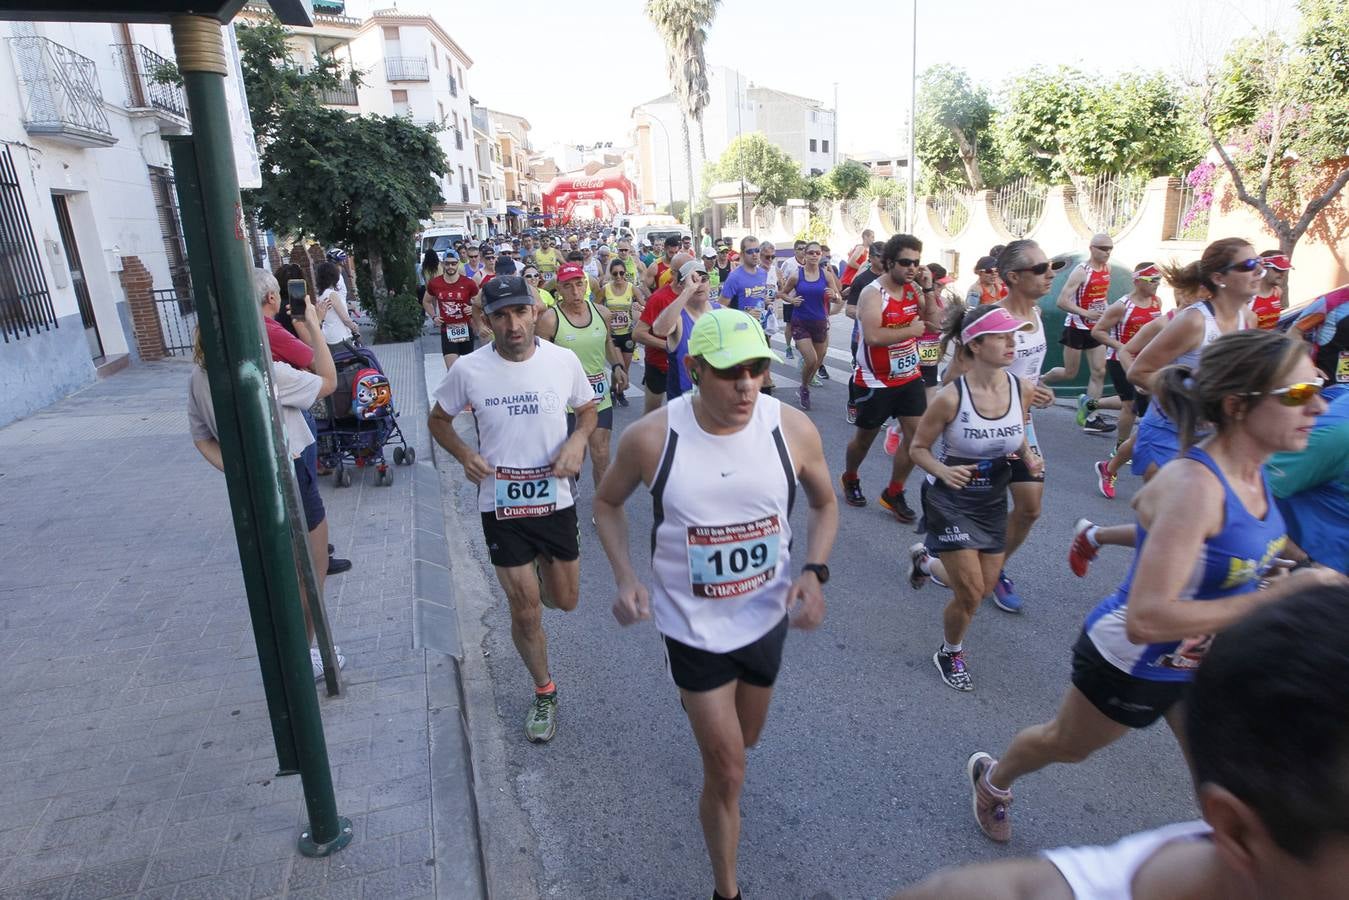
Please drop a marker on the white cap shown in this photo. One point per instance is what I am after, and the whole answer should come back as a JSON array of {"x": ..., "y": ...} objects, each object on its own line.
[
  {"x": 709, "y": 253},
  {"x": 506, "y": 248}
]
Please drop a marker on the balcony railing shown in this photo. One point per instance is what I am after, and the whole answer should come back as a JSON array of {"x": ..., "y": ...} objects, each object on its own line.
[
  {"x": 61, "y": 96},
  {"x": 406, "y": 68},
  {"x": 342, "y": 96},
  {"x": 150, "y": 79}
]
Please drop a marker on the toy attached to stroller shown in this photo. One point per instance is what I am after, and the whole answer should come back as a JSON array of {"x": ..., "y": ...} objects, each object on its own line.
[{"x": 359, "y": 419}]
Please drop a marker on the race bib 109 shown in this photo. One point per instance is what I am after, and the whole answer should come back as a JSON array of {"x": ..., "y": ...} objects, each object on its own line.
[
  {"x": 525, "y": 493},
  {"x": 728, "y": 561}
]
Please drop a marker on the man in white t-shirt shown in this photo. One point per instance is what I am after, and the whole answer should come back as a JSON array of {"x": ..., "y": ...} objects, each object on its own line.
[{"x": 519, "y": 389}]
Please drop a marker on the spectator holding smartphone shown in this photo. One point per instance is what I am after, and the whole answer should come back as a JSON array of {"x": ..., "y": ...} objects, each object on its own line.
[{"x": 295, "y": 390}]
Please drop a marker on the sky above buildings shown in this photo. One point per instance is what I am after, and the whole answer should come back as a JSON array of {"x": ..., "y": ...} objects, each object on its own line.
[{"x": 576, "y": 70}]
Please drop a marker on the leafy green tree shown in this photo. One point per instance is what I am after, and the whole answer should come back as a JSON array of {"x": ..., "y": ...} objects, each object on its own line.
[
  {"x": 846, "y": 180},
  {"x": 762, "y": 164},
  {"x": 1065, "y": 124},
  {"x": 1040, "y": 107},
  {"x": 951, "y": 131},
  {"x": 366, "y": 182},
  {"x": 1278, "y": 118}
]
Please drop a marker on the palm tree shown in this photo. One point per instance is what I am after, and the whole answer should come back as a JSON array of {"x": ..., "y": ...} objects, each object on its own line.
[{"x": 683, "y": 27}]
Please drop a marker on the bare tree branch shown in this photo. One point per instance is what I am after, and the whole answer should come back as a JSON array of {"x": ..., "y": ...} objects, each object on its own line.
[{"x": 1315, "y": 206}]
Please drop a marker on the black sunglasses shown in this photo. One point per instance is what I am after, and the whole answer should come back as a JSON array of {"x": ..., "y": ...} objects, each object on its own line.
[
  {"x": 1041, "y": 268},
  {"x": 910, "y": 263},
  {"x": 753, "y": 369},
  {"x": 1244, "y": 265}
]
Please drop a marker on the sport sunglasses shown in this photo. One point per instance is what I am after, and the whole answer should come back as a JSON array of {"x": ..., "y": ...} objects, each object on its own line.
[
  {"x": 1041, "y": 268},
  {"x": 1299, "y": 394},
  {"x": 752, "y": 369},
  {"x": 1244, "y": 265}
]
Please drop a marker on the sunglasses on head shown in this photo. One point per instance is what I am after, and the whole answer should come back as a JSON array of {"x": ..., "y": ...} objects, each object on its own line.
[
  {"x": 1244, "y": 265},
  {"x": 753, "y": 369},
  {"x": 1299, "y": 394},
  {"x": 1041, "y": 268}
]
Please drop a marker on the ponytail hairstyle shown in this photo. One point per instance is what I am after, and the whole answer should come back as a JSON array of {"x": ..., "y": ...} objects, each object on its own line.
[
  {"x": 430, "y": 264},
  {"x": 1013, "y": 256},
  {"x": 1217, "y": 256},
  {"x": 959, "y": 317},
  {"x": 1236, "y": 365}
]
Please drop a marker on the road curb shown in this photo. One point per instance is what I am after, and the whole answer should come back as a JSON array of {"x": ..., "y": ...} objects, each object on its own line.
[{"x": 460, "y": 869}]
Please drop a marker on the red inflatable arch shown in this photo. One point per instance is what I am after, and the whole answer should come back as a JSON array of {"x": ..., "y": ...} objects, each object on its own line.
[{"x": 566, "y": 191}]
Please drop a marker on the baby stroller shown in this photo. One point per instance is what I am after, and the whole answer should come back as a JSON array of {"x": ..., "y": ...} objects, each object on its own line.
[{"x": 359, "y": 419}]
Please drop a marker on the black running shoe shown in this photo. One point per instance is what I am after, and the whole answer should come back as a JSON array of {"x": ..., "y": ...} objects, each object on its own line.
[
  {"x": 898, "y": 505},
  {"x": 852, "y": 491},
  {"x": 1097, "y": 424},
  {"x": 952, "y": 669}
]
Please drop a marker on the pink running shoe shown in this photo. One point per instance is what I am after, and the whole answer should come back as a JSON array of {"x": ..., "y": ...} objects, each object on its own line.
[{"x": 892, "y": 439}]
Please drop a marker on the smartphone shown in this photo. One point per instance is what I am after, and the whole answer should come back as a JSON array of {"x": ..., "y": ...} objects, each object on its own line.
[{"x": 295, "y": 291}]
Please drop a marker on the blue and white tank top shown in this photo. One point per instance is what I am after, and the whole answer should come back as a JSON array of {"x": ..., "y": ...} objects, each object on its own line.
[
  {"x": 1230, "y": 563},
  {"x": 721, "y": 535},
  {"x": 1190, "y": 358}
]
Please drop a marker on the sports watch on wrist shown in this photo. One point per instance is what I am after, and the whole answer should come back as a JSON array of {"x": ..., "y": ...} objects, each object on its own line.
[{"x": 819, "y": 570}]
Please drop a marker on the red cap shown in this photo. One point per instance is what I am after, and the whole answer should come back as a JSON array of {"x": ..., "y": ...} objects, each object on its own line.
[
  {"x": 1278, "y": 263},
  {"x": 570, "y": 272},
  {"x": 1148, "y": 271}
]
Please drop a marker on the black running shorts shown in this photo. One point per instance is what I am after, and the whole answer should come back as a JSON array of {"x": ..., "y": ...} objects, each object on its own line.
[
  {"x": 1115, "y": 369},
  {"x": 756, "y": 663},
  {"x": 1078, "y": 338},
  {"x": 518, "y": 542},
  {"x": 875, "y": 406},
  {"x": 1131, "y": 701},
  {"x": 457, "y": 348},
  {"x": 653, "y": 379}
]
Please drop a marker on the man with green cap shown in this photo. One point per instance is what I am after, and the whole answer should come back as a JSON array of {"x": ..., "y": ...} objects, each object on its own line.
[{"x": 722, "y": 463}]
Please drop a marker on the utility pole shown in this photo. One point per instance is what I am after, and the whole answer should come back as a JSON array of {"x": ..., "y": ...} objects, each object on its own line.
[
  {"x": 740, "y": 133},
  {"x": 910, "y": 206},
  {"x": 834, "y": 160}
]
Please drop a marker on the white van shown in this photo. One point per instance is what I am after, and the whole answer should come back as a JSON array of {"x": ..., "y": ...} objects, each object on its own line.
[{"x": 656, "y": 234}]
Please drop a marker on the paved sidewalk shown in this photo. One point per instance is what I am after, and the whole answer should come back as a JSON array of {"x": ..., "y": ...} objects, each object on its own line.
[{"x": 136, "y": 756}]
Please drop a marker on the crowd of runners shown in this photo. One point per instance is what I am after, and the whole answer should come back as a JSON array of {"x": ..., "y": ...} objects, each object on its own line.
[{"x": 1216, "y": 407}]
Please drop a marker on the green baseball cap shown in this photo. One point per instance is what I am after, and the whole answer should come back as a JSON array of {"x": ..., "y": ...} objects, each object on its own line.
[{"x": 728, "y": 337}]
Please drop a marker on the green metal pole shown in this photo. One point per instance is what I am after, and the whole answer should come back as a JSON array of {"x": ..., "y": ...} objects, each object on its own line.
[
  {"x": 192, "y": 212},
  {"x": 240, "y": 374}
]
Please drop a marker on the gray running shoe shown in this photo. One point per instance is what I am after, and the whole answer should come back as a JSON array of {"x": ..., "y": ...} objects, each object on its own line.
[
  {"x": 541, "y": 723},
  {"x": 992, "y": 809}
]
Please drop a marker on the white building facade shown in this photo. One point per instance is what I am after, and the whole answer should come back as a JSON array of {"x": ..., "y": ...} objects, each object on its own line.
[
  {"x": 804, "y": 128},
  {"x": 86, "y": 185},
  {"x": 411, "y": 67}
]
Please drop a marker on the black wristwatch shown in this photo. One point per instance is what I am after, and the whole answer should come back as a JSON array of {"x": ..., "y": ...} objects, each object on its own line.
[{"x": 819, "y": 570}]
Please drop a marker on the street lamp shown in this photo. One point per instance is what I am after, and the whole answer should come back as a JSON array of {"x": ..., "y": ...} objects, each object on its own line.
[{"x": 669, "y": 166}]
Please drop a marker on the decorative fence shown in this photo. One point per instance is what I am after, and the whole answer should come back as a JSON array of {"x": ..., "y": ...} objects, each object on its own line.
[
  {"x": 953, "y": 211},
  {"x": 177, "y": 320},
  {"x": 1110, "y": 202},
  {"x": 1191, "y": 216},
  {"x": 1020, "y": 204}
]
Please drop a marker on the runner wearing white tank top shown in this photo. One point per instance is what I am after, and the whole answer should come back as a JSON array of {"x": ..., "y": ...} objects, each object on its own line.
[
  {"x": 723, "y": 463},
  {"x": 980, "y": 421}
]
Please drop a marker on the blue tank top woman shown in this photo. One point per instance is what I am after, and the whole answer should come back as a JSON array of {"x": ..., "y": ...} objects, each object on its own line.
[
  {"x": 812, "y": 296},
  {"x": 1231, "y": 563}
]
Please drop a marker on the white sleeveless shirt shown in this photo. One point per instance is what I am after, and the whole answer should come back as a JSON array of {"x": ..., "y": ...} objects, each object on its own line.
[
  {"x": 721, "y": 538},
  {"x": 1107, "y": 873},
  {"x": 1031, "y": 347}
]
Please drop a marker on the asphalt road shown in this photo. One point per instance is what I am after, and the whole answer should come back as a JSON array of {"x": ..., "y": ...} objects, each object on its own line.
[{"x": 857, "y": 787}]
